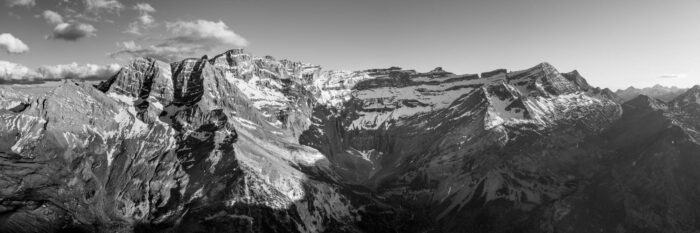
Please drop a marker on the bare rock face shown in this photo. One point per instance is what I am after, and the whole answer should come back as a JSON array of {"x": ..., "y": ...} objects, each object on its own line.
[
  {"x": 239, "y": 143},
  {"x": 145, "y": 79}
]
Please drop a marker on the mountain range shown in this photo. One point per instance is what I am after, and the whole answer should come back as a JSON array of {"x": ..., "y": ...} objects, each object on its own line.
[
  {"x": 240, "y": 143},
  {"x": 663, "y": 93}
]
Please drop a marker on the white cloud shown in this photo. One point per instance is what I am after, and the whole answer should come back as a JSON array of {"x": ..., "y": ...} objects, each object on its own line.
[
  {"x": 146, "y": 19},
  {"x": 78, "y": 71},
  {"x": 52, "y": 17},
  {"x": 27, "y": 3},
  {"x": 99, "y": 6},
  {"x": 72, "y": 31},
  {"x": 203, "y": 31},
  {"x": 188, "y": 39},
  {"x": 11, "y": 44},
  {"x": 131, "y": 45},
  {"x": 14, "y": 72}
]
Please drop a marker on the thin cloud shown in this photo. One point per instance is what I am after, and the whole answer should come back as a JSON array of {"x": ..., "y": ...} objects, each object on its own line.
[
  {"x": 673, "y": 76},
  {"x": 72, "y": 31},
  {"x": 680, "y": 80},
  {"x": 11, "y": 44},
  {"x": 86, "y": 17},
  {"x": 25, "y": 3},
  {"x": 13, "y": 15},
  {"x": 133, "y": 28}
]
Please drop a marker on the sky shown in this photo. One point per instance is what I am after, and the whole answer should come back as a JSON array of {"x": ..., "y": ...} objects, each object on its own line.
[{"x": 612, "y": 43}]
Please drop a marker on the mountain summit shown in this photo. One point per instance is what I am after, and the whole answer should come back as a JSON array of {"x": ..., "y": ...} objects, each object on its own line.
[{"x": 239, "y": 143}]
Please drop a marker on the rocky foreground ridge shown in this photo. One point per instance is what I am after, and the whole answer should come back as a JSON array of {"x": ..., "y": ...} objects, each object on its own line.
[{"x": 238, "y": 143}]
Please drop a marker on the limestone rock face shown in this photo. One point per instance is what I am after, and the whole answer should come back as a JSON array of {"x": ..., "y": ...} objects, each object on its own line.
[{"x": 239, "y": 143}]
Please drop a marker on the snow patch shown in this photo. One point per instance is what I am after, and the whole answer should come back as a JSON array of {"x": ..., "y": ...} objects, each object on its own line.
[
  {"x": 258, "y": 92},
  {"x": 246, "y": 123}
]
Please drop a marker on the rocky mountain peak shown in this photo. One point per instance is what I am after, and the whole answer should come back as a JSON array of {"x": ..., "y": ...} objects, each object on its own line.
[
  {"x": 437, "y": 70},
  {"x": 575, "y": 77}
]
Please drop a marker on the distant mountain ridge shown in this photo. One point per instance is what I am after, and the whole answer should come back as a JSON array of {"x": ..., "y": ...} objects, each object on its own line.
[
  {"x": 657, "y": 91},
  {"x": 243, "y": 143}
]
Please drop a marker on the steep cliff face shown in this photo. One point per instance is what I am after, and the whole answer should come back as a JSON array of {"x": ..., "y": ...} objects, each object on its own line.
[
  {"x": 400, "y": 114},
  {"x": 254, "y": 144}
]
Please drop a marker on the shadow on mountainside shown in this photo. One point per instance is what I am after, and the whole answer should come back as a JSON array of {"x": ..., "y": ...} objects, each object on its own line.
[{"x": 249, "y": 217}]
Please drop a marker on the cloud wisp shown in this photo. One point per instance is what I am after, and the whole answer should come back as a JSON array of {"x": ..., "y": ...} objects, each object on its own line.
[
  {"x": 24, "y": 3},
  {"x": 98, "y": 7},
  {"x": 680, "y": 80},
  {"x": 673, "y": 76},
  {"x": 10, "y": 44},
  {"x": 188, "y": 39}
]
